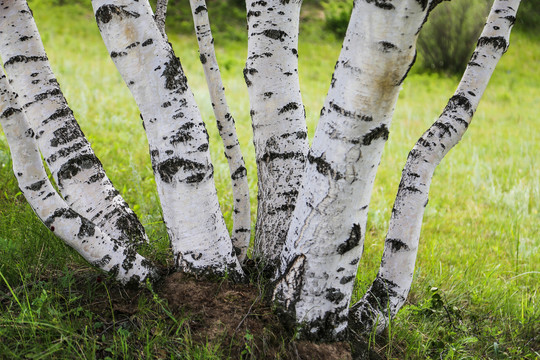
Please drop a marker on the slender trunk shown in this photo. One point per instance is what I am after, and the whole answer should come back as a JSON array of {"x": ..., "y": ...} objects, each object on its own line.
[
  {"x": 389, "y": 291},
  {"x": 176, "y": 134},
  {"x": 329, "y": 222},
  {"x": 225, "y": 123},
  {"x": 278, "y": 117},
  {"x": 75, "y": 230},
  {"x": 161, "y": 16},
  {"x": 75, "y": 168}
]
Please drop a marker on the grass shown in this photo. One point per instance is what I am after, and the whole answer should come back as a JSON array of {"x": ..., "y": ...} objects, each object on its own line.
[{"x": 475, "y": 293}]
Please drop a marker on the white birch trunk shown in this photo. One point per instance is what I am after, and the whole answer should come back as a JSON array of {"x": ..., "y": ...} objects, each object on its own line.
[
  {"x": 176, "y": 134},
  {"x": 389, "y": 291},
  {"x": 279, "y": 128},
  {"x": 329, "y": 221},
  {"x": 75, "y": 168},
  {"x": 75, "y": 230},
  {"x": 225, "y": 122}
]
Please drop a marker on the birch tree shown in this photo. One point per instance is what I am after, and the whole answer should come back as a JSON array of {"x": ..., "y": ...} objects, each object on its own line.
[{"x": 312, "y": 201}]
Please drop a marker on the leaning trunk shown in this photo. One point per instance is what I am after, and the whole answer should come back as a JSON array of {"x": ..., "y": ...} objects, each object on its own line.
[
  {"x": 74, "y": 166},
  {"x": 75, "y": 230},
  {"x": 241, "y": 231},
  {"x": 326, "y": 236},
  {"x": 389, "y": 291},
  {"x": 177, "y": 137}
]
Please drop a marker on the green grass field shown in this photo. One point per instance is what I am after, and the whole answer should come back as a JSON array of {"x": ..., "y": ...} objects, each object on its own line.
[{"x": 477, "y": 279}]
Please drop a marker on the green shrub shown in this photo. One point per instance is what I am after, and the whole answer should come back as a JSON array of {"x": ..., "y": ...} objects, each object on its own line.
[
  {"x": 448, "y": 38},
  {"x": 528, "y": 17},
  {"x": 337, "y": 14}
]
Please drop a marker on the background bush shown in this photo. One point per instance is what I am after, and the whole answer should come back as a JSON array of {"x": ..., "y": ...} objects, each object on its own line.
[
  {"x": 528, "y": 17},
  {"x": 337, "y": 14},
  {"x": 450, "y": 35}
]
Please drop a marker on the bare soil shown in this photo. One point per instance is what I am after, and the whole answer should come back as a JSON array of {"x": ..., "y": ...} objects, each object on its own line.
[
  {"x": 225, "y": 313},
  {"x": 231, "y": 316}
]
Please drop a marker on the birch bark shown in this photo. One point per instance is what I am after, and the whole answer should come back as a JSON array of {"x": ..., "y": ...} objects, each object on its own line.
[
  {"x": 75, "y": 230},
  {"x": 227, "y": 130},
  {"x": 328, "y": 224},
  {"x": 278, "y": 118},
  {"x": 75, "y": 168},
  {"x": 389, "y": 291},
  {"x": 176, "y": 134}
]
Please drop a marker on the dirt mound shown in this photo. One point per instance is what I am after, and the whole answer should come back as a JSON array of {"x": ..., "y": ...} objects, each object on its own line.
[{"x": 234, "y": 315}]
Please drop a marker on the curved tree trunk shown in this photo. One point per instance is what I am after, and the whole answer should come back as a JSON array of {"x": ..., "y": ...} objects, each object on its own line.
[
  {"x": 225, "y": 123},
  {"x": 389, "y": 291},
  {"x": 176, "y": 134},
  {"x": 75, "y": 168},
  {"x": 75, "y": 230}
]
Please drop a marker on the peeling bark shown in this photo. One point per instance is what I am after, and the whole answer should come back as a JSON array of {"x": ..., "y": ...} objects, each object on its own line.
[
  {"x": 389, "y": 291},
  {"x": 76, "y": 170}
]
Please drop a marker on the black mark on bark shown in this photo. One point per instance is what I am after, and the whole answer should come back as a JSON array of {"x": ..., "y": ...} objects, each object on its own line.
[
  {"x": 498, "y": 42},
  {"x": 334, "y": 295},
  {"x": 86, "y": 229},
  {"x": 24, "y": 59},
  {"x": 383, "y": 4},
  {"x": 239, "y": 173},
  {"x": 380, "y": 132},
  {"x": 354, "y": 239},
  {"x": 65, "y": 213},
  {"x": 289, "y": 107},
  {"x": 10, "y": 111},
  {"x": 323, "y": 166},
  {"x": 458, "y": 101},
  {"x": 387, "y": 47},
  {"x": 62, "y": 112},
  {"x": 36, "y": 186},
  {"x": 174, "y": 74},
  {"x": 249, "y": 71},
  {"x": 47, "y": 94},
  {"x": 200, "y": 9},
  {"x": 66, "y": 135},
  {"x": 275, "y": 34},
  {"x": 73, "y": 166},
  {"x": 270, "y": 156},
  {"x": 168, "y": 168},
  {"x": 349, "y": 114},
  {"x": 346, "y": 279},
  {"x": 106, "y": 12},
  {"x": 510, "y": 18},
  {"x": 397, "y": 244}
]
